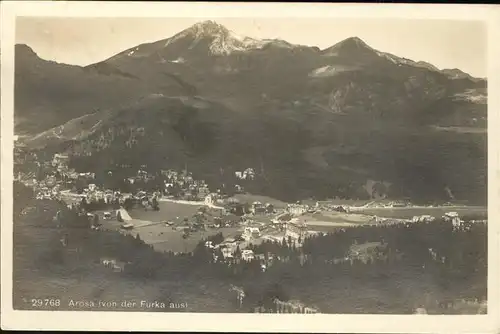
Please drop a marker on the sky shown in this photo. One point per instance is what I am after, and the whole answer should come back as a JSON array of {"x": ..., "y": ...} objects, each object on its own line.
[{"x": 82, "y": 41}]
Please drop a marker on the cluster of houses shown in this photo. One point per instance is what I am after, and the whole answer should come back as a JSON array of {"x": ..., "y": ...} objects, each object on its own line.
[
  {"x": 423, "y": 219},
  {"x": 458, "y": 223},
  {"x": 290, "y": 306},
  {"x": 283, "y": 228},
  {"x": 376, "y": 220},
  {"x": 229, "y": 250},
  {"x": 260, "y": 208},
  {"x": 247, "y": 174},
  {"x": 235, "y": 248},
  {"x": 59, "y": 174},
  {"x": 142, "y": 175},
  {"x": 297, "y": 209},
  {"x": 60, "y": 162},
  {"x": 113, "y": 264},
  {"x": 297, "y": 231},
  {"x": 94, "y": 194},
  {"x": 250, "y": 233},
  {"x": 42, "y": 191},
  {"x": 183, "y": 184}
]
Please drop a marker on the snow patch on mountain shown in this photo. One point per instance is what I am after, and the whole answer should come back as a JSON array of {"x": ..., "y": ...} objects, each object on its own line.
[
  {"x": 472, "y": 95},
  {"x": 179, "y": 60},
  {"x": 221, "y": 40},
  {"x": 131, "y": 52},
  {"x": 329, "y": 70},
  {"x": 404, "y": 61}
]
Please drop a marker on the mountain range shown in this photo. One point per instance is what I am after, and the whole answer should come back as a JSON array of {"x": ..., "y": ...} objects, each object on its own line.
[{"x": 314, "y": 123}]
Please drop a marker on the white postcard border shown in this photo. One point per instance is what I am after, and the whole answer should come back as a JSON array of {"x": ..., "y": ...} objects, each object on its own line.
[{"x": 136, "y": 321}]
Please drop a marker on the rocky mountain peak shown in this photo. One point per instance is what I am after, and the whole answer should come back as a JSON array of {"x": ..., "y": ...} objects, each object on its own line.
[
  {"x": 208, "y": 28},
  {"x": 349, "y": 47}
]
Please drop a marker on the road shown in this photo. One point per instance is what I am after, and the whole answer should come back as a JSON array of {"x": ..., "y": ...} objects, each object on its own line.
[{"x": 198, "y": 203}]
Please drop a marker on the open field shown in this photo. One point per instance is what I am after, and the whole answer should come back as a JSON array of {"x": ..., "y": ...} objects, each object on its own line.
[
  {"x": 169, "y": 211},
  {"x": 417, "y": 211},
  {"x": 334, "y": 219},
  {"x": 164, "y": 238},
  {"x": 350, "y": 202}
]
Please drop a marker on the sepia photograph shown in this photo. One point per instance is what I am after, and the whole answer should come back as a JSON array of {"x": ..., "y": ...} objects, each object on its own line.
[{"x": 268, "y": 164}]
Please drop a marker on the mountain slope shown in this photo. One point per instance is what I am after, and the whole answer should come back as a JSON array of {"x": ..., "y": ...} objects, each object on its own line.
[
  {"x": 313, "y": 122},
  {"x": 48, "y": 93}
]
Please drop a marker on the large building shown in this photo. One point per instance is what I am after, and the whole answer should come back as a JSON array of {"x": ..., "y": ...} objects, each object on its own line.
[
  {"x": 210, "y": 199},
  {"x": 295, "y": 230},
  {"x": 60, "y": 159},
  {"x": 257, "y": 207},
  {"x": 296, "y": 209},
  {"x": 247, "y": 255},
  {"x": 251, "y": 233}
]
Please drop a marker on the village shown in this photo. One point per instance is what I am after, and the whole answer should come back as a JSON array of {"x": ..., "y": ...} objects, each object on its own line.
[
  {"x": 199, "y": 213},
  {"x": 177, "y": 215}
]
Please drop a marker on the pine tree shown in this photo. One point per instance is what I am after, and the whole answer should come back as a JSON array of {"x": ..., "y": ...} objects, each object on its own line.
[{"x": 237, "y": 253}]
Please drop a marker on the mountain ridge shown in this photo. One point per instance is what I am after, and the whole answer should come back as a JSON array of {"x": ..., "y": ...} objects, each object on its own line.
[
  {"x": 212, "y": 29},
  {"x": 330, "y": 120}
]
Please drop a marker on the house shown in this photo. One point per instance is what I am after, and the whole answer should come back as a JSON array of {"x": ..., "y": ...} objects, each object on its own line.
[
  {"x": 227, "y": 252},
  {"x": 296, "y": 209},
  {"x": 295, "y": 230},
  {"x": 452, "y": 217},
  {"x": 210, "y": 199},
  {"x": 128, "y": 226},
  {"x": 257, "y": 208},
  {"x": 399, "y": 204},
  {"x": 247, "y": 255},
  {"x": 230, "y": 244},
  {"x": 119, "y": 267},
  {"x": 116, "y": 266},
  {"x": 73, "y": 175},
  {"x": 423, "y": 219},
  {"x": 341, "y": 208},
  {"x": 283, "y": 218},
  {"x": 261, "y": 257},
  {"x": 251, "y": 233},
  {"x": 269, "y": 208},
  {"x": 105, "y": 261},
  {"x": 234, "y": 208},
  {"x": 249, "y": 174},
  {"x": 62, "y": 168},
  {"x": 87, "y": 175},
  {"x": 203, "y": 190},
  {"x": 60, "y": 159},
  {"x": 166, "y": 173}
]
